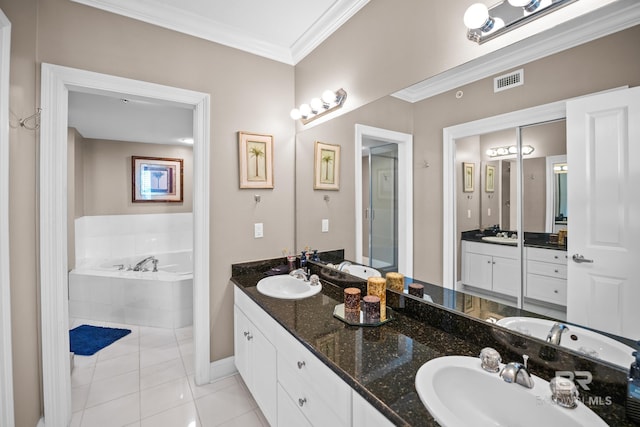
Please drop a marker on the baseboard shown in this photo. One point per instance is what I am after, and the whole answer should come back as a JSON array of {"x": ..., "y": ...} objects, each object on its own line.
[
  {"x": 222, "y": 368},
  {"x": 40, "y": 422}
]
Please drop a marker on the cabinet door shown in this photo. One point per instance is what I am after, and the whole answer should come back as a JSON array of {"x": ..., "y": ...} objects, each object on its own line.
[
  {"x": 263, "y": 374},
  {"x": 240, "y": 343},
  {"x": 288, "y": 412},
  {"x": 365, "y": 415},
  {"x": 506, "y": 276},
  {"x": 477, "y": 270}
]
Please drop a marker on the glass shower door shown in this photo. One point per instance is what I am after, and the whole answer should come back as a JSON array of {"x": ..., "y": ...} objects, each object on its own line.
[{"x": 383, "y": 207}]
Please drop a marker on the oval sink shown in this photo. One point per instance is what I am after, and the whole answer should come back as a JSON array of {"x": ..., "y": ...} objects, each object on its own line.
[
  {"x": 575, "y": 338},
  {"x": 361, "y": 271},
  {"x": 459, "y": 393},
  {"x": 501, "y": 240},
  {"x": 287, "y": 287}
]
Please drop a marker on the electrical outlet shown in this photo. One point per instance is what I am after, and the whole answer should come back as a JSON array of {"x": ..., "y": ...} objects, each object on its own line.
[
  {"x": 325, "y": 225},
  {"x": 258, "y": 230}
]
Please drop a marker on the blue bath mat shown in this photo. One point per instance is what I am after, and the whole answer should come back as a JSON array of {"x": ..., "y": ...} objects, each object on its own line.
[{"x": 86, "y": 340}]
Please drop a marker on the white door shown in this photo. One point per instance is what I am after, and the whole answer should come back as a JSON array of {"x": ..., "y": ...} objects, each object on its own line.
[{"x": 603, "y": 154}]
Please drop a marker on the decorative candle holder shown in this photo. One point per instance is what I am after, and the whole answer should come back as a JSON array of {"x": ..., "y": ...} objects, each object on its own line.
[
  {"x": 352, "y": 299},
  {"x": 371, "y": 309},
  {"x": 395, "y": 282},
  {"x": 377, "y": 286},
  {"x": 416, "y": 290}
]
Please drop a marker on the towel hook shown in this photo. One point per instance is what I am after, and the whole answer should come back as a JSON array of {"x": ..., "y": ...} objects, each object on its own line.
[{"x": 36, "y": 120}]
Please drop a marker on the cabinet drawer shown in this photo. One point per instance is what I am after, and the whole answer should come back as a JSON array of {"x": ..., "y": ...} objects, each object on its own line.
[
  {"x": 504, "y": 251},
  {"x": 546, "y": 288},
  {"x": 303, "y": 374},
  {"x": 289, "y": 413},
  {"x": 547, "y": 269},
  {"x": 547, "y": 255}
]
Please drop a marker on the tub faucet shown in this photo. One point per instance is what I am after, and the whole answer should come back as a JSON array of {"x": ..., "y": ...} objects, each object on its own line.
[
  {"x": 343, "y": 264},
  {"x": 555, "y": 334},
  {"x": 140, "y": 266}
]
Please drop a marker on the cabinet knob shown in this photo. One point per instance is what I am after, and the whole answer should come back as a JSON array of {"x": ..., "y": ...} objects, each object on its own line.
[
  {"x": 301, "y": 364},
  {"x": 302, "y": 401},
  {"x": 555, "y": 270},
  {"x": 249, "y": 337},
  {"x": 246, "y": 333},
  {"x": 488, "y": 262},
  {"x": 555, "y": 291},
  {"x": 555, "y": 256}
]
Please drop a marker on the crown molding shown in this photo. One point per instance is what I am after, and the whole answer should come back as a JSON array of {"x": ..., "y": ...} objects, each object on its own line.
[
  {"x": 181, "y": 21},
  {"x": 607, "y": 20},
  {"x": 337, "y": 15}
]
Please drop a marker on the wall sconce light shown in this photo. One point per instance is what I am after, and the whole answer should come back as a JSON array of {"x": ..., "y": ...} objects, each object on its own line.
[
  {"x": 485, "y": 23},
  {"x": 509, "y": 150},
  {"x": 318, "y": 107}
]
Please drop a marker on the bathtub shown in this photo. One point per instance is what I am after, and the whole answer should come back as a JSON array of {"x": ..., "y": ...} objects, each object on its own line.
[{"x": 101, "y": 290}]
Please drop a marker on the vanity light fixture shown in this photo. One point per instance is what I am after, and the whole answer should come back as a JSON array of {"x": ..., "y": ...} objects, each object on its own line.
[
  {"x": 509, "y": 150},
  {"x": 318, "y": 107},
  {"x": 484, "y": 23}
]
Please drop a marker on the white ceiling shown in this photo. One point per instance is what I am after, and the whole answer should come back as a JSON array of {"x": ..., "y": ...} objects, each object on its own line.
[{"x": 282, "y": 30}]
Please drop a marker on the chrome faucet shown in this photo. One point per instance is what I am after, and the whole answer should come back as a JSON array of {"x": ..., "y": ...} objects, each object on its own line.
[
  {"x": 555, "y": 334},
  {"x": 515, "y": 372},
  {"x": 140, "y": 266},
  {"x": 300, "y": 274}
]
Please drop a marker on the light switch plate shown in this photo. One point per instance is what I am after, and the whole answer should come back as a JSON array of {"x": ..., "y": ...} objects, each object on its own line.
[
  {"x": 325, "y": 225},
  {"x": 258, "y": 230}
]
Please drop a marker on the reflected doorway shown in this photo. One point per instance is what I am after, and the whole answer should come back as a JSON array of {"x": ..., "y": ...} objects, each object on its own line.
[{"x": 380, "y": 204}]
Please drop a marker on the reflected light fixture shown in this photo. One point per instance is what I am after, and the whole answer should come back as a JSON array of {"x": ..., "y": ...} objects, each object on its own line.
[
  {"x": 318, "y": 107},
  {"x": 484, "y": 23},
  {"x": 509, "y": 150}
]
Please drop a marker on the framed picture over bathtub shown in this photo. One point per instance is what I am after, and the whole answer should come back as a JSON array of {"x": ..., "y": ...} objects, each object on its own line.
[{"x": 156, "y": 180}]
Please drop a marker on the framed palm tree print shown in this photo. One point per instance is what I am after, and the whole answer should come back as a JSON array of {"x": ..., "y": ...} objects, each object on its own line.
[
  {"x": 326, "y": 170},
  {"x": 256, "y": 160},
  {"x": 156, "y": 179}
]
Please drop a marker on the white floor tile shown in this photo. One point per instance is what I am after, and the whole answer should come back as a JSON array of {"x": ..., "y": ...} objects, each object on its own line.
[
  {"x": 76, "y": 419},
  {"x": 79, "y": 397},
  {"x": 115, "y": 413},
  {"x": 82, "y": 361},
  {"x": 203, "y": 390},
  {"x": 181, "y": 416},
  {"x": 116, "y": 366},
  {"x": 112, "y": 388},
  {"x": 168, "y": 395},
  {"x": 222, "y": 406},
  {"x": 250, "y": 419},
  {"x": 117, "y": 349},
  {"x": 263, "y": 420},
  {"x": 153, "y": 356},
  {"x": 81, "y": 375},
  {"x": 160, "y": 373},
  {"x": 184, "y": 334}
]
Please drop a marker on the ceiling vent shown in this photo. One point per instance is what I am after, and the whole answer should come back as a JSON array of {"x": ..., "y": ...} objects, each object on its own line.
[{"x": 508, "y": 81}]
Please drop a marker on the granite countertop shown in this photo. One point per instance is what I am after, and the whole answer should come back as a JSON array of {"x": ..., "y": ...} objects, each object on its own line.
[
  {"x": 531, "y": 240},
  {"x": 381, "y": 362}
]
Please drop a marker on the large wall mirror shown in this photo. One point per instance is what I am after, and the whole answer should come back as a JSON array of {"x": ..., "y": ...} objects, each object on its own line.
[{"x": 539, "y": 181}]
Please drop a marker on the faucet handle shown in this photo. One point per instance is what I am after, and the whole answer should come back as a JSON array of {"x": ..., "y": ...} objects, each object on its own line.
[
  {"x": 564, "y": 392},
  {"x": 490, "y": 359}
]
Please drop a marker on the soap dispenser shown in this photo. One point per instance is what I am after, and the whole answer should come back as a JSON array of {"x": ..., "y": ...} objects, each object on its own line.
[{"x": 633, "y": 390}]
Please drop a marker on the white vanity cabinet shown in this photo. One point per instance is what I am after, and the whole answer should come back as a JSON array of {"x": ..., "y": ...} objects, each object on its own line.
[
  {"x": 290, "y": 384},
  {"x": 255, "y": 354},
  {"x": 491, "y": 267},
  {"x": 546, "y": 275}
]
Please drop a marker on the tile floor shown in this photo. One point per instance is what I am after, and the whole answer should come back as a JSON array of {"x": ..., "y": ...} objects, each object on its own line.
[{"x": 146, "y": 379}]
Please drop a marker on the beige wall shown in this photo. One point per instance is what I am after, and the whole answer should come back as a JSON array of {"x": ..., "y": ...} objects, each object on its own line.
[
  {"x": 248, "y": 93},
  {"x": 107, "y": 177}
]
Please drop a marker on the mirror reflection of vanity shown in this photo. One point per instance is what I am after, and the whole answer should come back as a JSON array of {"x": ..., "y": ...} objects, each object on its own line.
[{"x": 425, "y": 120}]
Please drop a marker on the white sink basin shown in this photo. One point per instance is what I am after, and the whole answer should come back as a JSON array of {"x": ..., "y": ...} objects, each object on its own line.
[
  {"x": 576, "y": 338},
  {"x": 361, "y": 271},
  {"x": 459, "y": 393},
  {"x": 287, "y": 287},
  {"x": 501, "y": 240}
]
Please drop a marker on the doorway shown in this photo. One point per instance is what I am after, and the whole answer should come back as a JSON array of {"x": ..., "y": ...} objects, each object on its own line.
[
  {"x": 402, "y": 143},
  {"x": 380, "y": 204},
  {"x": 57, "y": 81}
]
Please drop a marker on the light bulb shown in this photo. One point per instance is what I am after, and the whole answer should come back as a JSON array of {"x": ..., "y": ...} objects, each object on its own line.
[
  {"x": 491, "y": 152},
  {"x": 527, "y": 5},
  {"x": 316, "y": 104},
  {"x": 519, "y": 3},
  {"x": 476, "y": 16},
  {"x": 295, "y": 114},
  {"x": 513, "y": 149},
  {"x": 329, "y": 96},
  {"x": 502, "y": 151},
  {"x": 527, "y": 149},
  {"x": 305, "y": 110}
]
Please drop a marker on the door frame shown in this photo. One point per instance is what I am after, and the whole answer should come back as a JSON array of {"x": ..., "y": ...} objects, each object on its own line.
[
  {"x": 7, "y": 418},
  {"x": 56, "y": 83},
  {"x": 405, "y": 192}
]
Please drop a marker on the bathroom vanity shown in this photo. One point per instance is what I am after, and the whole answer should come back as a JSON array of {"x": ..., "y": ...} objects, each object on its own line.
[{"x": 305, "y": 367}]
